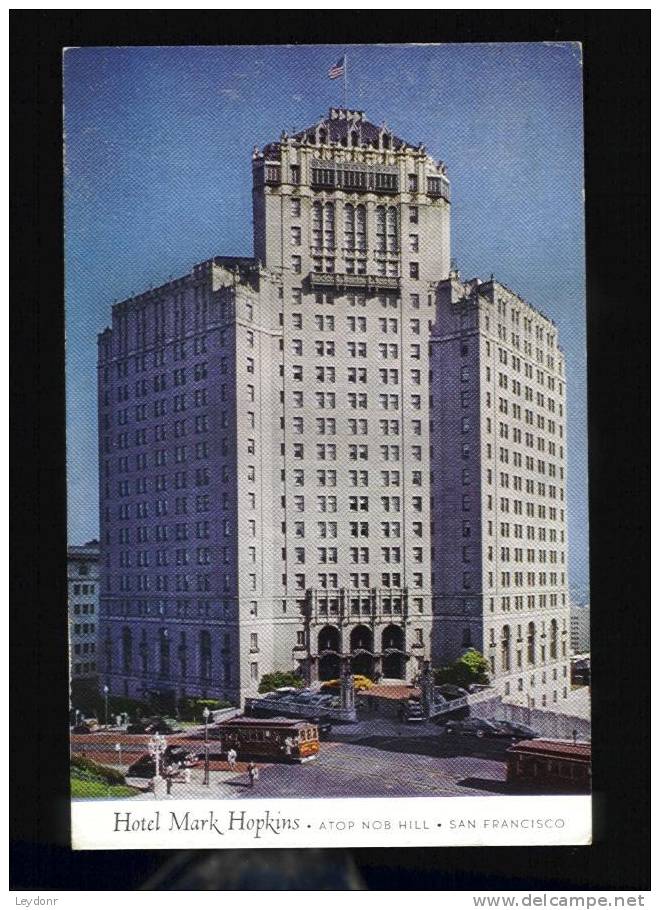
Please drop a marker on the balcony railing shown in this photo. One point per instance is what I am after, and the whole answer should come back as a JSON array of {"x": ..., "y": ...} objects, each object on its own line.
[
  {"x": 369, "y": 283},
  {"x": 350, "y": 605}
]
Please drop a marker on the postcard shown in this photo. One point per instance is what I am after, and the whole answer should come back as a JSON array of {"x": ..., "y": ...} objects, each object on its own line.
[{"x": 326, "y": 446}]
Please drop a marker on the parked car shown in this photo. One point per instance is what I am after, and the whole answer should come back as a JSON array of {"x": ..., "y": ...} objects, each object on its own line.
[
  {"x": 476, "y": 726},
  {"x": 323, "y": 700},
  {"x": 517, "y": 731},
  {"x": 450, "y": 692},
  {"x": 283, "y": 692},
  {"x": 151, "y": 725},
  {"x": 305, "y": 698},
  {"x": 87, "y": 726},
  {"x": 359, "y": 683},
  {"x": 173, "y": 757}
]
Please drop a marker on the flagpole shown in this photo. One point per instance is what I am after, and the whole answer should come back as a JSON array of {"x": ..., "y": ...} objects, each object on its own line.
[{"x": 345, "y": 72}]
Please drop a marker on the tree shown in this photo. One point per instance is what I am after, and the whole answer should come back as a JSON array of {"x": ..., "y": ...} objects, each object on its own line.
[
  {"x": 476, "y": 664},
  {"x": 278, "y": 679},
  {"x": 468, "y": 669}
]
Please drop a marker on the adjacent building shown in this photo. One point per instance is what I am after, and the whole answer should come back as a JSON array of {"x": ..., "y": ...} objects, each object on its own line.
[
  {"x": 83, "y": 609},
  {"x": 278, "y": 434},
  {"x": 498, "y": 437}
]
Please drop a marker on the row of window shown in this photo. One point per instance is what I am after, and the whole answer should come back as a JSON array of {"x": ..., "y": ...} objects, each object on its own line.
[
  {"x": 202, "y": 504},
  {"x": 202, "y": 557},
  {"x": 327, "y": 477},
  {"x": 356, "y": 580},
  {"x": 327, "y": 426},
  {"x": 531, "y": 487},
  {"x": 354, "y": 299},
  {"x": 326, "y": 265},
  {"x": 531, "y": 509},
  {"x": 328, "y": 374},
  {"x": 84, "y": 589},
  {"x": 327, "y": 451},
  {"x": 183, "y": 583},
  {"x": 328, "y": 503},
  {"x": 129, "y": 650},
  {"x": 127, "y": 329},
  {"x": 515, "y": 580},
  {"x": 179, "y": 609},
  {"x": 547, "y": 360},
  {"x": 547, "y": 426},
  {"x": 86, "y": 647},
  {"x": 355, "y": 554},
  {"x": 355, "y": 400},
  {"x": 518, "y": 554},
  {"x": 79, "y": 609},
  {"x": 389, "y": 351},
  {"x": 541, "y": 333},
  {"x": 534, "y": 601},
  {"x": 504, "y": 404},
  {"x": 161, "y": 583},
  {"x": 142, "y": 362},
  {"x": 530, "y": 441}
]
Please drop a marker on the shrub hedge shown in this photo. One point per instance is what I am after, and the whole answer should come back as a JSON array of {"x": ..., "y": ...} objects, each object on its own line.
[{"x": 88, "y": 767}]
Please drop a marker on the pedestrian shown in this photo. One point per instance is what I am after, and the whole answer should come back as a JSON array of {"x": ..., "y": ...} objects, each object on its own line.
[
  {"x": 168, "y": 784},
  {"x": 253, "y": 773},
  {"x": 231, "y": 759}
]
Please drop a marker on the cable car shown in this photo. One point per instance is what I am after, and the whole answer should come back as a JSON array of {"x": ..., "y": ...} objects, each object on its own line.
[{"x": 270, "y": 739}]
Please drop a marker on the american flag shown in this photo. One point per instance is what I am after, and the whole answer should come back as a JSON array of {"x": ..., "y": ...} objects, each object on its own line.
[{"x": 337, "y": 70}]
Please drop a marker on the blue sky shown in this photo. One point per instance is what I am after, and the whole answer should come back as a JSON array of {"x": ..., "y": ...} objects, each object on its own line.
[{"x": 158, "y": 177}]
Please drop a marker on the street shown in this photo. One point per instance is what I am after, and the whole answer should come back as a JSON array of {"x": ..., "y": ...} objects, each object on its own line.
[{"x": 369, "y": 758}]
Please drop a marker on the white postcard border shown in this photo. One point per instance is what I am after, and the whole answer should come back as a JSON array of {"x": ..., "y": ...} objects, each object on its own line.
[{"x": 471, "y": 821}]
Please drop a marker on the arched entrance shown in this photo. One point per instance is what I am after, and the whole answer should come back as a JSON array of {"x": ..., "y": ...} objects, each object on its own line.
[
  {"x": 362, "y": 658},
  {"x": 328, "y": 650},
  {"x": 393, "y": 652}
]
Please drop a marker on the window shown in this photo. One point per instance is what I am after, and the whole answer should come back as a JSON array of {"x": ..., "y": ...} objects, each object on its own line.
[
  {"x": 414, "y": 270},
  {"x": 413, "y": 243},
  {"x": 413, "y": 214}
]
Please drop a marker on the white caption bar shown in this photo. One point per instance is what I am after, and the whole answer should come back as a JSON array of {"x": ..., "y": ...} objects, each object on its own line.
[{"x": 415, "y": 822}]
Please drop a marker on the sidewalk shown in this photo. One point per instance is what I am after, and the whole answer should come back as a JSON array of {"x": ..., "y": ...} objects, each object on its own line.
[{"x": 222, "y": 785}]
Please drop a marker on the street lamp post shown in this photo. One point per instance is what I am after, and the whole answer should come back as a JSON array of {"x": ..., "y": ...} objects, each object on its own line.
[
  {"x": 157, "y": 745},
  {"x": 105, "y": 697},
  {"x": 206, "y": 713}
]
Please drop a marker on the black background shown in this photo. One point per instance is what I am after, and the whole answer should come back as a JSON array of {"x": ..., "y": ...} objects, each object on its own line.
[{"x": 616, "y": 69}]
